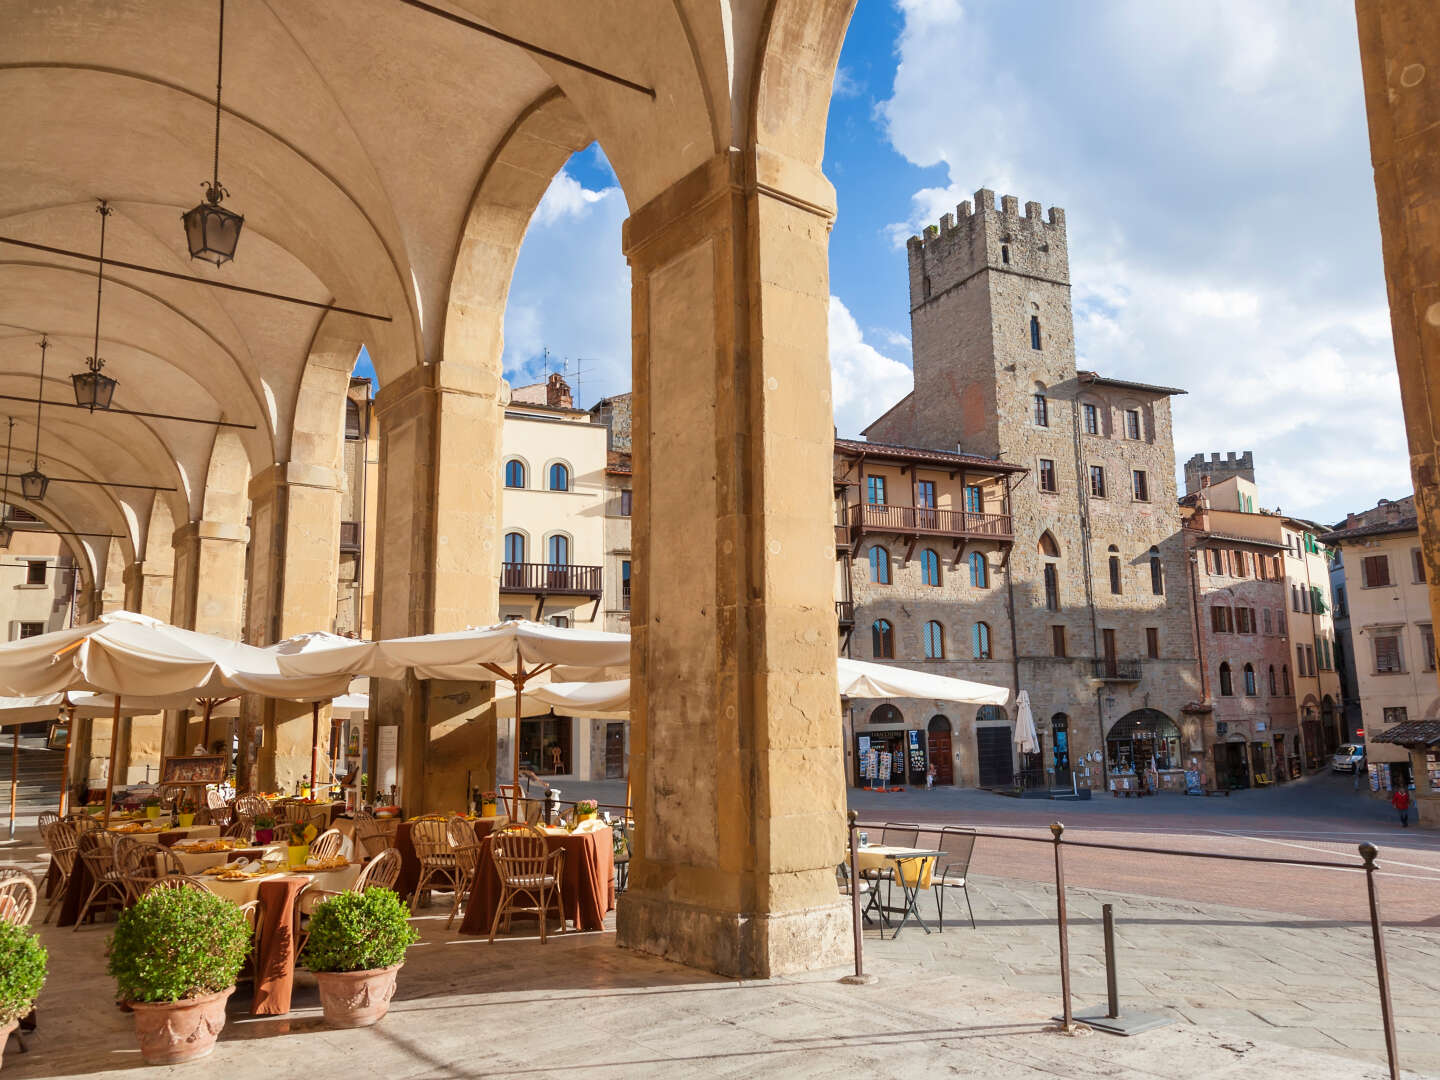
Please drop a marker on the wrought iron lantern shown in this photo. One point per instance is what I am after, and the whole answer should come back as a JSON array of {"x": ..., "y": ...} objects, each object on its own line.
[
  {"x": 33, "y": 485},
  {"x": 92, "y": 389},
  {"x": 211, "y": 231}
]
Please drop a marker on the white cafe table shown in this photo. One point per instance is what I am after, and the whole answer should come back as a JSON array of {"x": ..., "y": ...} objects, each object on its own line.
[{"x": 190, "y": 832}]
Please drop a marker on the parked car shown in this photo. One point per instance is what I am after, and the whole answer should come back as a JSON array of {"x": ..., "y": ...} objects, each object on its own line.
[{"x": 1348, "y": 758}]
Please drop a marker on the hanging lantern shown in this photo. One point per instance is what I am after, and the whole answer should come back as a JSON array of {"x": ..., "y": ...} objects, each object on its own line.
[
  {"x": 92, "y": 389},
  {"x": 211, "y": 231},
  {"x": 33, "y": 485}
]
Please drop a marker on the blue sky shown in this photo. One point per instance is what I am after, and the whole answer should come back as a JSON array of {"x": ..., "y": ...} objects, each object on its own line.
[{"x": 1213, "y": 163}]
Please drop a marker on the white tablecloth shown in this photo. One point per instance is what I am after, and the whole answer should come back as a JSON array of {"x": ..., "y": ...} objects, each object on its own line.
[
  {"x": 194, "y": 862},
  {"x": 242, "y": 892},
  {"x": 192, "y": 832}
]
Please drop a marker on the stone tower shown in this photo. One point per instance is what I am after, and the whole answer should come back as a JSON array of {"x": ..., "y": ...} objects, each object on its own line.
[
  {"x": 1111, "y": 635},
  {"x": 1198, "y": 471}
]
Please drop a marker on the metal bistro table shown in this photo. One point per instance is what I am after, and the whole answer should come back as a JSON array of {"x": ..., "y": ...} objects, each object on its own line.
[{"x": 910, "y": 868}]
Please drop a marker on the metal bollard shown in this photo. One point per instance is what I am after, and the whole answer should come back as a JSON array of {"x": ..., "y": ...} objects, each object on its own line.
[
  {"x": 1382, "y": 970},
  {"x": 1112, "y": 977},
  {"x": 859, "y": 978},
  {"x": 1068, "y": 1019}
]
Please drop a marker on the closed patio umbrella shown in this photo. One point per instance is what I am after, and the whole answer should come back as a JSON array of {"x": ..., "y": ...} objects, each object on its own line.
[{"x": 1027, "y": 741}]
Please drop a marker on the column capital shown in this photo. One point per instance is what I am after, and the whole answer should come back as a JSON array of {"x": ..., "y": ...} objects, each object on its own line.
[
  {"x": 293, "y": 474},
  {"x": 211, "y": 530},
  {"x": 426, "y": 381}
]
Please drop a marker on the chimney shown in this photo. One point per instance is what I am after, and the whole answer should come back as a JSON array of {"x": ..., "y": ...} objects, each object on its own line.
[{"x": 557, "y": 393}]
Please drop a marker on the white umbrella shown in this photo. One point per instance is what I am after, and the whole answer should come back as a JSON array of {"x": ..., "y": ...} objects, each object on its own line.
[
  {"x": 608, "y": 700},
  {"x": 1027, "y": 741},
  {"x": 859, "y": 679}
]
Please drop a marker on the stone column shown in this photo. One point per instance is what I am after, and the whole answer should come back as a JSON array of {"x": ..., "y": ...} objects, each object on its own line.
[
  {"x": 736, "y": 763},
  {"x": 294, "y": 571},
  {"x": 438, "y": 566},
  {"x": 1400, "y": 61},
  {"x": 148, "y": 588}
]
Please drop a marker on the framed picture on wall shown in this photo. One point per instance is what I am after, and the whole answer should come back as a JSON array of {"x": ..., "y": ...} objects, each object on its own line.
[{"x": 194, "y": 769}]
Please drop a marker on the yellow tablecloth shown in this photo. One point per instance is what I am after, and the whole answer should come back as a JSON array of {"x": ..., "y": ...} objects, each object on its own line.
[{"x": 881, "y": 857}]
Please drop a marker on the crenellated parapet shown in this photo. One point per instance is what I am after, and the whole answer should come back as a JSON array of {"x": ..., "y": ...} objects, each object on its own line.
[{"x": 979, "y": 236}]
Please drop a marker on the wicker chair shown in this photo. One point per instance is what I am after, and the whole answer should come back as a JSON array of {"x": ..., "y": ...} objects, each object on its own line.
[
  {"x": 217, "y": 810},
  {"x": 107, "y": 886},
  {"x": 467, "y": 862},
  {"x": 527, "y": 869},
  {"x": 167, "y": 863},
  {"x": 370, "y": 837},
  {"x": 64, "y": 845},
  {"x": 18, "y": 895},
  {"x": 84, "y": 823},
  {"x": 178, "y": 881},
  {"x": 380, "y": 872},
  {"x": 623, "y": 830},
  {"x": 958, "y": 845},
  {"x": 327, "y": 844},
  {"x": 46, "y": 819},
  {"x": 461, "y": 830},
  {"x": 430, "y": 837},
  {"x": 135, "y": 863}
]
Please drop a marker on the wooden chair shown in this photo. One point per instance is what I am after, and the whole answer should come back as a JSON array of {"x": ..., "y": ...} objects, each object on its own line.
[
  {"x": 327, "y": 844},
  {"x": 461, "y": 830},
  {"x": 167, "y": 863},
  {"x": 107, "y": 886},
  {"x": 241, "y": 827},
  {"x": 83, "y": 823},
  {"x": 467, "y": 862},
  {"x": 45, "y": 820},
  {"x": 527, "y": 869},
  {"x": 64, "y": 845},
  {"x": 958, "y": 844},
  {"x": 18, "y": 895},
  {"x": 431, "y": 839},
  {"x": 371, "y": 838},
  {"x": 217, "y": 810},
  {"x": 247, "y": 807}
]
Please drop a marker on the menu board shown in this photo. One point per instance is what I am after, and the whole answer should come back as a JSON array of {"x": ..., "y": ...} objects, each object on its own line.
[
  {"x": 1194, "y": 783},
  {"x": 1432, "y": 768},
  {"x": 917, "y": 753}
]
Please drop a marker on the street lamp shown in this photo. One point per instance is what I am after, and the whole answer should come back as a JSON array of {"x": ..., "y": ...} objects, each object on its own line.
[
  {"x": 211, "y": 231},
  {"x": 93, "y": 390}
]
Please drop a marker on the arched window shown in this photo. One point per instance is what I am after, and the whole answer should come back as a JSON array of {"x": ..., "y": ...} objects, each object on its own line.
[
  {"x": 1226, "y": 689},
  {"x": 558, "y": 550},
  {"x": 1272, "y": 678},
  {"x": 1052, "y": 587},
  {"x": 929, "y": 567},
  {"x": 1035, "y": 331},
  {"x": 515, "y": 474},
  {"x": 1250, "y": 680},
  {"x": 1048, "y": 547},
  {"x": 559, "y": 477},
  {"x": 979, "y": 570},
  {"x": 514, "y": 547},
  {"x": 1005, "y": 254},
  {"x": 882, "y": 640},
  {"x": 934, "y": 641},
  {"x": 980, "y": 641},
  {"x": 1114, "y": 569},
  {"x": 1157, "y": 573},
  {"x": 1042, "y": 409},
  {"x": 879, "y": 565},
  {"x": 1285, "y": 677},
  {"x": 887, "y": 714}
]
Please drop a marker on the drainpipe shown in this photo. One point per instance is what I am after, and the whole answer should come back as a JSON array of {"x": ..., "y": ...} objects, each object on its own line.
[{"x": 1082, "y": 498}]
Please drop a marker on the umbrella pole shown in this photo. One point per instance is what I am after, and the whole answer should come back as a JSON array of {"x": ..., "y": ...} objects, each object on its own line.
[
  {"x": 519, "y": 711},
  {"x": 314, "y": 746},
  {"x": 14, "y": 775},
  {"x": 65, "y": 767},
  {"x": 110, "y": 775},
  {"x": 209, "y": 705}
]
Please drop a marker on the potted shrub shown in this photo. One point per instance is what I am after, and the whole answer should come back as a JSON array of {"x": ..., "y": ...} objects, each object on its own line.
[
  {"x": 174, "y": 957},
  {"x": 356, "y": 946},
  {"x": 152, "y": 807},
  {"x": 264, "y": 829},
  {"x": 299, "y": 835},
  {"x": 22, "y": 973},
  {"x": 186, "y": 816}
]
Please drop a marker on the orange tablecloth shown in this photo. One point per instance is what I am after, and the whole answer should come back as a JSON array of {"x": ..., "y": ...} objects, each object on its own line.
[
  {"x": 410, "y": 865},
  {"x": 275, "y": 959},
  {"x": 587, "y": 887}
]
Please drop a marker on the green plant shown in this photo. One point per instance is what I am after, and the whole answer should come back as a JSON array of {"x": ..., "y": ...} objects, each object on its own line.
[
  {"x": 586, "y": 806},
  {"x": 151, "y": 800},
  {"x": 177, "y": 943},
  {"x": 22, "y": 971},
  {"x": 300, "y": 832},
  {"x": 358, "y": 932},
  {"x": 264, "y": 821}
]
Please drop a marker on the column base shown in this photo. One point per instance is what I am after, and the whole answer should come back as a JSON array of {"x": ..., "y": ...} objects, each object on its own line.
[{"x": 755, "y": 946}]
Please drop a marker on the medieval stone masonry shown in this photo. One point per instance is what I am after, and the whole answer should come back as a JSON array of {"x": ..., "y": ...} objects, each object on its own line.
[{"x": 1102, "y": 634}]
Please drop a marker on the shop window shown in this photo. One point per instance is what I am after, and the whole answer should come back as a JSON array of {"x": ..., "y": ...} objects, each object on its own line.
[
  {"x": 929, "y": 568},
  {"x": 879, "y": 565},
  {"x": 882, "y": 640},
  {"x": 979, "y": 570},
  {"x": 1226, "y": 687},
  {"x": 934, "y": 641},
  {"x": 1140, "y": 737},
  {"x": 980, "y": 641}
]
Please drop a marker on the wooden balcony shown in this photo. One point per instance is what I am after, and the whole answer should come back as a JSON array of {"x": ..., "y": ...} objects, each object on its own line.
[
  {"x": 1113, "y": 669},
  {"x": 350, "y": 537},
  {"x": 920, "y": 521},
  {"x": 545, "y": 579},
  {"x": 845, "y": 613}
]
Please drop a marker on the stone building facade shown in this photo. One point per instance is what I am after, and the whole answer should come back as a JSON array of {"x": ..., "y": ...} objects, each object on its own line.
[
  {"x": 1106, "y": 649},
  {"x": 610, "y": 739}
]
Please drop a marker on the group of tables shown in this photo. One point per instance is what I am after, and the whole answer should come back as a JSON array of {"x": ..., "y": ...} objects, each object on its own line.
[{"x": 587, "y": 890}]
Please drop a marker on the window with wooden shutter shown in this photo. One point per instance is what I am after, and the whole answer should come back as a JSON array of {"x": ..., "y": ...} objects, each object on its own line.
[
  {"x": 1057, "y": 641},
  {"x": 1375, "y": 571},
  {"x": 1419, "y": 560},
  {"x": 1387, "y": 653}
]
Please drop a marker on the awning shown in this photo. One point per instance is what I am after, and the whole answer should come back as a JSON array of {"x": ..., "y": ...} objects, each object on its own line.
[{"x": 1410, "y": 733}]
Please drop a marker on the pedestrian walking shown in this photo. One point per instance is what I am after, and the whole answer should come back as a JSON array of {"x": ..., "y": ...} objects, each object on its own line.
[
  {"x": 930, "y": 777},
  {"x": 1401, "y": 801},
  {"x": 1357, "y": 777}
]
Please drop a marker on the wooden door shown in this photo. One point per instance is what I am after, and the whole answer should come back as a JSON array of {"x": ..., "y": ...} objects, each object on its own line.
[
  {"x": 614, "y": 751},
  {"x": 938, "y": 744},
  {"x": 996, "y": 767},
  {"x": 1109, "y": 638}
]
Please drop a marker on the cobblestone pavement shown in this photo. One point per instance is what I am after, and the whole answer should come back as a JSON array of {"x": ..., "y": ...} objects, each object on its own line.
[{"x": 1251, "y": 974}]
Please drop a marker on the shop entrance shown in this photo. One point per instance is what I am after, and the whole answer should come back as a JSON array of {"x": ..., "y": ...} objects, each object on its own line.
[
  {"x": 938, "y": 744},
  {"x": 996, "y": 768},
  {"x": 1060, "y": 750},
  {"x": 1231, "y": 770},
  {"x": 545, "y": 745},
  {"x": 614, "y": 751}
]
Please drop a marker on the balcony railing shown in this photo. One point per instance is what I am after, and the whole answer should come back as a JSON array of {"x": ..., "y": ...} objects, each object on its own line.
[
  {"x": 845, "y": 612},
  {"x": 919, "y": 520},
  {"x": 548, "y": 578},
  {"x": 1113, "y": 669}
]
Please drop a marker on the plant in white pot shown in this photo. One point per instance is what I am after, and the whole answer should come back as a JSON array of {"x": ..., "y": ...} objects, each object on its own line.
[
  {"x": 356, "y": 946},
  {"x": 174, "y": 956},
  {"x": 22, "y": 973}
]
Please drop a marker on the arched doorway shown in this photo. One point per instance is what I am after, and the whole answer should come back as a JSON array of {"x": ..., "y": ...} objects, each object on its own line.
[
  {"x": 937, "y": 738},
  {"x": 1141, "y": 740},
  {"x": 994, "y": 758}
]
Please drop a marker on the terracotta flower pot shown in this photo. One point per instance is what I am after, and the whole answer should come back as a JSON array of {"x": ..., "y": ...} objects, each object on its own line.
[
  {"x": 352, "y": 999},
  {"x": 264, "y": 836},
  {"x": 5, "y": 1030},
  {"x": 174, "y": 1031}
]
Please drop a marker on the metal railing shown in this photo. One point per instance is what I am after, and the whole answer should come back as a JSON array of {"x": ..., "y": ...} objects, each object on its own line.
[
  {"x": 845, "y": 612},
  {"x": 550, "y": 578},
  {"x": 1113, "y": 669},
  {"x": 864, "y": 517},
  {"x": 1368, "y": 853}
]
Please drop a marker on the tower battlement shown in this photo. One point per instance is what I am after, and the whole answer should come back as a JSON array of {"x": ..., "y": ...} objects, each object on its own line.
[
  {"x": 1200, "y": 473},
  {"x": 980, "y": 236}
]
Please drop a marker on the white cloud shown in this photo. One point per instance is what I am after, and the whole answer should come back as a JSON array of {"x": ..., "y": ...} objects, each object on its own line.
[
  {"x": 846, "y": 85},
  {"x": 864, "y": 382},
  {"x": 567, "y": 197}
]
